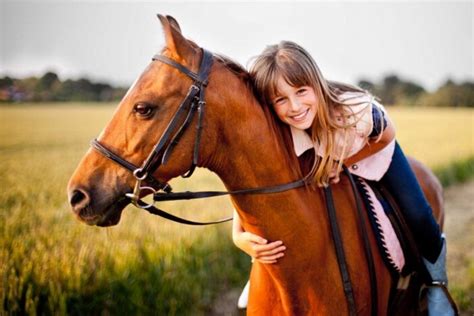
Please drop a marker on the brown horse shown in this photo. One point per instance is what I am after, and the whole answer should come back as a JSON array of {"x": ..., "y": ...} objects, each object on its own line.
[{"x": 241, "y": 145}]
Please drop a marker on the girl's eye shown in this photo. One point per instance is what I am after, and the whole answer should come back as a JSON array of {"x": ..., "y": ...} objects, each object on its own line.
[
  {"x": 279, "y": 101},
  {"x": 143, "y": 110},
  {"x": 301, "y": 91}
]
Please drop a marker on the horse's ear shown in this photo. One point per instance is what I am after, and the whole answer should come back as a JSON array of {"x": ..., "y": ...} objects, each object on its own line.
[
  {"x": 173, "y": 22},
  {"x": 175, "y": 41}
]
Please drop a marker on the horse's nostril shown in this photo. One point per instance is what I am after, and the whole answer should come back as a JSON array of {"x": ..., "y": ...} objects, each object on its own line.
[{"x": 79, "y": 198}]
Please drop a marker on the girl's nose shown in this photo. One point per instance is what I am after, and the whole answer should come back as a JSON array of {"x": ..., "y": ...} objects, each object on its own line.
[{"x": 294, "y": 104}]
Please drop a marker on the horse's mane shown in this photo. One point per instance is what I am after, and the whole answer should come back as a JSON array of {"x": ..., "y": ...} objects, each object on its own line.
[
  {"x": 230, "y": 64},
  {"x": 236, "y": 68}
]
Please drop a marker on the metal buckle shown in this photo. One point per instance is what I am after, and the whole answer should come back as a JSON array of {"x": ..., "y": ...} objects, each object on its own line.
[
  {"x": 145, "y": 205},
  {"x": 139, "y": 178}
]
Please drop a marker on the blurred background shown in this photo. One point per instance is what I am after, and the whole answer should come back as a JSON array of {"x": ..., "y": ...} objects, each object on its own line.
[{"x": 64, "y": 66}]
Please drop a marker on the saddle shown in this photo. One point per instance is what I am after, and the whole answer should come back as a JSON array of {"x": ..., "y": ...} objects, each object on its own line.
[{"x": 396, "y": 245}]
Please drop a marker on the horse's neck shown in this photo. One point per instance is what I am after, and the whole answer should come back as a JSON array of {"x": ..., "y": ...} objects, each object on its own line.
[{"x": 249, "y": 154}]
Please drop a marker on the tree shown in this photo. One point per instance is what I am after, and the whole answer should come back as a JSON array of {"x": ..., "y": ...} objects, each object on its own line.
[
  {"x": 47, "y": 81},
  {"x": 451, "y": 94},
  {"x": 6, "y": 82},
  {"x": 394, "y": 90}
]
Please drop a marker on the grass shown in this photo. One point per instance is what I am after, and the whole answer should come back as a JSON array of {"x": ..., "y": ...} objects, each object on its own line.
[
  {"x": 436, "y": 136},
  {"x": 52, "y": 264}
]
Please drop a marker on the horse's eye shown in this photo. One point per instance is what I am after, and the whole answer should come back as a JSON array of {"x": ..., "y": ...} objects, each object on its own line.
[{"x": 143, "y": 110}]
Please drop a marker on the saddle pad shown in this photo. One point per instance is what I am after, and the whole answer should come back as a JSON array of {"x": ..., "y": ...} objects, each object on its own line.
[{"x": 387, "y": 239}]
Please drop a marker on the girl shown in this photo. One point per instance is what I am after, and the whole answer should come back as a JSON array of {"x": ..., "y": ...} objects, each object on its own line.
[{"x": 331, "y": 124}]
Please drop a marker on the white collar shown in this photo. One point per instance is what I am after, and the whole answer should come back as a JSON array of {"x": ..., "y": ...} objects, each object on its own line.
[{"x": 301, "y": 141}]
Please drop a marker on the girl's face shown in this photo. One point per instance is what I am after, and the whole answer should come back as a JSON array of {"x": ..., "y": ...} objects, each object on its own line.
[{"x": 296, "y": 106}]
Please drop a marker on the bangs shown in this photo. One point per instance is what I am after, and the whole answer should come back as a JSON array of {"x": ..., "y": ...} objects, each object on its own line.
[{"x": 294, "y": 73}]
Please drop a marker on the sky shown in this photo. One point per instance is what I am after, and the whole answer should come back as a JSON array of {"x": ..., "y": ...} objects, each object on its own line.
[{"x": 422, "y": 41}]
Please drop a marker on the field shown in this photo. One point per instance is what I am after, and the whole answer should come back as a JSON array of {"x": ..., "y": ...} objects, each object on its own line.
[{"x": 51, "y": 263}]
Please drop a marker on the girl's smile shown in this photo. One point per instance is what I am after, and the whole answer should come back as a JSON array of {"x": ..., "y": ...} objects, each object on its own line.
[{"x": 296, "y": 106}]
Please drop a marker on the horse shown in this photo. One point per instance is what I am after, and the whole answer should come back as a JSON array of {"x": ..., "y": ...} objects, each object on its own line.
[{"x": 239, "y": 142}]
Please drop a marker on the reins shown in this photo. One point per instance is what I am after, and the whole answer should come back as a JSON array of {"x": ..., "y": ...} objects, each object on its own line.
[{"x": 159, "y": 196}]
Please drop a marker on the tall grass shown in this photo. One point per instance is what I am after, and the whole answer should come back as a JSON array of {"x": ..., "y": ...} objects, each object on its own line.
[{"x": 52, "y": 264}]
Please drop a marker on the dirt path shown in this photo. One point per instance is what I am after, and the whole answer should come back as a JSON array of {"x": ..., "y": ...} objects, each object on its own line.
[{"x": 459, "y": 230}]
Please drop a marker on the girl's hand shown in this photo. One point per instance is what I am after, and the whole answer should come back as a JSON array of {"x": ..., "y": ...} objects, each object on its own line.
[{"x": 259, "y": 248}]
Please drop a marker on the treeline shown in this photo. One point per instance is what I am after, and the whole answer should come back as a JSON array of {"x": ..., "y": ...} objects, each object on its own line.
[
  {"x": 50, "y": 88},
  {"x": 393, "y": 90}
]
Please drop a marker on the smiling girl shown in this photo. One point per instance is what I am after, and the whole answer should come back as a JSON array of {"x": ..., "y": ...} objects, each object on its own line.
[{"x": 332, "y": 124}]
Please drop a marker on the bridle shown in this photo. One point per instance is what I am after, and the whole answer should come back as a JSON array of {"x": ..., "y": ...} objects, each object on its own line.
[
  {"x": 192, "y": 103},
  {"x": 195, "y": 102}
]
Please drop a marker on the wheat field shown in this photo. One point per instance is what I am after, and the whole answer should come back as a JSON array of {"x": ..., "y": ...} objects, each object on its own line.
[{"x": 52, "y": 264}]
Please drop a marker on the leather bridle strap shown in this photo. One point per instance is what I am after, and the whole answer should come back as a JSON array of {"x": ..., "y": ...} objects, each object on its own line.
[
  {"x": 153, "y": 161},
  {"x": 200, "y": 82},
  {"x": 196, "y": 77},
  {"x": 200, "y": 109},
  {"x": 174, "y": 141}
]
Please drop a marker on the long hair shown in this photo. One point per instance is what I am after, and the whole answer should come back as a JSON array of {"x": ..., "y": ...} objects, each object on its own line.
[{"x": 295, "y": 65}]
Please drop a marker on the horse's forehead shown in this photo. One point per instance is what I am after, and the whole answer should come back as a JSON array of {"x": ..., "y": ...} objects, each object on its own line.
[
  {"x": 131, "y": 87},
  {"x": 155, "y": 77}
]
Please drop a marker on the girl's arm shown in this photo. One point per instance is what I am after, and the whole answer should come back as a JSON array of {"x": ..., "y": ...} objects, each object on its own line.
[
  {"x": 374, "y": 144},
  {"x": 255, "y": 246}
]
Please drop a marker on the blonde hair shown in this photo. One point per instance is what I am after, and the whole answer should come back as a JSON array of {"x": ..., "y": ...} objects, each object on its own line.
[{"x": 296, "y": 66}]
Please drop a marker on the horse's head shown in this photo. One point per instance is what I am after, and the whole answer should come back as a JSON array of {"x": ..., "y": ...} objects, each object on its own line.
[{"x": 97, "y": 189}]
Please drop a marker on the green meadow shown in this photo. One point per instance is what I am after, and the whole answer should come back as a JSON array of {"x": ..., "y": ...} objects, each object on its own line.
[{"x": 50, "y": 263}]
